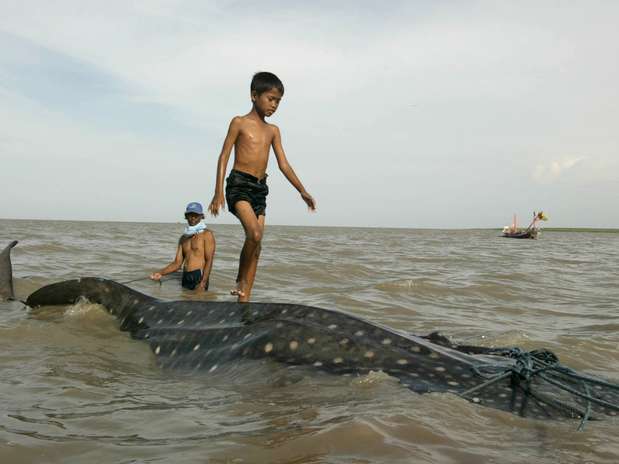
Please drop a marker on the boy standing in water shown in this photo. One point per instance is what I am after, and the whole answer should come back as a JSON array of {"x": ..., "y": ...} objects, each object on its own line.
[
  {"x": 246, "y": 187},
  {"x": 196, "y": 248}
]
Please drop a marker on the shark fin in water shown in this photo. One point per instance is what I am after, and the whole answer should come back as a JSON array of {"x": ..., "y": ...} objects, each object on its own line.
[{"x": 7, "y": 291}]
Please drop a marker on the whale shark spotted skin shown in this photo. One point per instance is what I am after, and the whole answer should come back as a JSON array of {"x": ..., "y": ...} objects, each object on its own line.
[{"x": 209, "y": 335}]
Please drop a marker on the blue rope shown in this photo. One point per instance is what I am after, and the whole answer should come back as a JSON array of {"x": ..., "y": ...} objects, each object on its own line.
[
  {"x": 585, "y": 417},
  {"x": 531, "y": 364}
]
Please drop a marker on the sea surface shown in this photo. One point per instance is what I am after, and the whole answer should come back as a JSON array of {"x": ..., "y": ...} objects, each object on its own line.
[{"x": 75, "y": 389}]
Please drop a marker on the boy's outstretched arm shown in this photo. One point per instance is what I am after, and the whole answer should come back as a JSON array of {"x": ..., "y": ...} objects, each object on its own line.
[
  {"x": 218, "y": 200},
  {"x": 172, "y": 267},
  {"x": 287, "y": 170}
]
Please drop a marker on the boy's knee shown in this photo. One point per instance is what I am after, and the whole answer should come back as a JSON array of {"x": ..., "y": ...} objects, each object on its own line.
[{"x": 255, "y": 236}]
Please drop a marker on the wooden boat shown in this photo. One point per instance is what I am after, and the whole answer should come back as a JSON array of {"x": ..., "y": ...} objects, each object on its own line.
[{"x": 532, "y": 231}]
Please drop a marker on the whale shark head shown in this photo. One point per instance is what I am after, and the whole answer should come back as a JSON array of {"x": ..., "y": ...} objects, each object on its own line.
[{"x": 7, "y": 291}]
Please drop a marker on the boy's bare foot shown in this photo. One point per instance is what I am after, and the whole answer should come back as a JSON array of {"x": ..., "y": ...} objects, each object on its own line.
[{"x": 238, "y": 291}]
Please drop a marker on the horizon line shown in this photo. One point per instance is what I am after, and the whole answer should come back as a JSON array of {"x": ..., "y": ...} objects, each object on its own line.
[{"x": 547, "y": 229}]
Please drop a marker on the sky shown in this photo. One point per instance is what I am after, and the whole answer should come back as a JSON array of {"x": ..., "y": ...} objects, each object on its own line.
[{"x": 421, "y": 114}]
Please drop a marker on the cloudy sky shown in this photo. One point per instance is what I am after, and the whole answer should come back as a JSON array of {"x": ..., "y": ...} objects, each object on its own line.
[{"x": 406, "y": 114}]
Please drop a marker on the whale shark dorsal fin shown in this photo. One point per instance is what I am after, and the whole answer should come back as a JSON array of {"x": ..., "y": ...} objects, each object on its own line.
[{"x": 7, "y": 291}]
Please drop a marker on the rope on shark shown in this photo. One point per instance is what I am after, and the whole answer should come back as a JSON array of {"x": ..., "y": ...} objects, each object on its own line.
[{"x": 543, "y": 364}]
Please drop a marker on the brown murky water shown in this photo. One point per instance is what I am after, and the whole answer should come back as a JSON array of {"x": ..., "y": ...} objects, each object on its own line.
[{"x": 75, "y": 389}]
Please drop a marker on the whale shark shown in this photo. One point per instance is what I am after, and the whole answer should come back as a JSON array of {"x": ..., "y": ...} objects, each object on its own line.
[
  {"x": 209, "y": 335},
  {"x": 206, "y": 336}
]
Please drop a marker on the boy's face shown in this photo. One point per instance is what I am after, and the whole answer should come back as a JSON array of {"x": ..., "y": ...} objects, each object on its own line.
[
  {"x": 193, "y": 218},
  {"x": 267, "y": 102}
]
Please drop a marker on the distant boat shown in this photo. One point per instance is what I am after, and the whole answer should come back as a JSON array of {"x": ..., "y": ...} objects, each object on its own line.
[
  {"x": 532, "y": 231},
  {"x": 521, "y": 234}
]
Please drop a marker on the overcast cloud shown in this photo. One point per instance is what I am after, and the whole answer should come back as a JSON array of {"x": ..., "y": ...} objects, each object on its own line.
[{"x": 405, "y": 114}]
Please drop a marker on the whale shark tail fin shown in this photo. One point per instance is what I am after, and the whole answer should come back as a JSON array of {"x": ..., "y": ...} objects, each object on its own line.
[{"x": 7, "y": 290}]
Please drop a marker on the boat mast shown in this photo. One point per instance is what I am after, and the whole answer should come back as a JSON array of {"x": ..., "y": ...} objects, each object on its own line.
[{"x": 514, "y": 224}]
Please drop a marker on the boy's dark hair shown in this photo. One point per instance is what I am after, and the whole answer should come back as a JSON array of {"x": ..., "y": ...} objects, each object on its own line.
[{"x": 265, "y": 81}]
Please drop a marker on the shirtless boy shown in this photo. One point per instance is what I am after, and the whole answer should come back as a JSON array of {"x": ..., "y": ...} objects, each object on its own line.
[
  {"x": 246, "y": 187},
  {"x": 196, "y": 249}
]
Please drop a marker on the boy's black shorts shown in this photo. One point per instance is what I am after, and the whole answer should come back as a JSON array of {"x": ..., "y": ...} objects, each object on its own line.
[
  {"x": 191, "y": 279},
  {"x": 242, "y": 186}
]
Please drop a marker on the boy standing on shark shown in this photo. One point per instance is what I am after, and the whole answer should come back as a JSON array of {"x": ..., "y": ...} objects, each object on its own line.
[{"x": 246, "y": 187}]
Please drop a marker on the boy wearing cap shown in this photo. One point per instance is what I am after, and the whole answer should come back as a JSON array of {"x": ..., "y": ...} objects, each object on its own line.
[
  {"x": 246, "y": 187},
  {"x": 196, "y": 249}
]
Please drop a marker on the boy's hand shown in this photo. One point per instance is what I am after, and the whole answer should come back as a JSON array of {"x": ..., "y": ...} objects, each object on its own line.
[
  {"x": 309, "y": 200},
  {"x": 217, "y": 203},
  {"x": 155, "y": 276}
]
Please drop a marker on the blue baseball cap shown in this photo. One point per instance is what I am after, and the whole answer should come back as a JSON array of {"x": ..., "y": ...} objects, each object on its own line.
[{"x": 194, "y": 207}]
